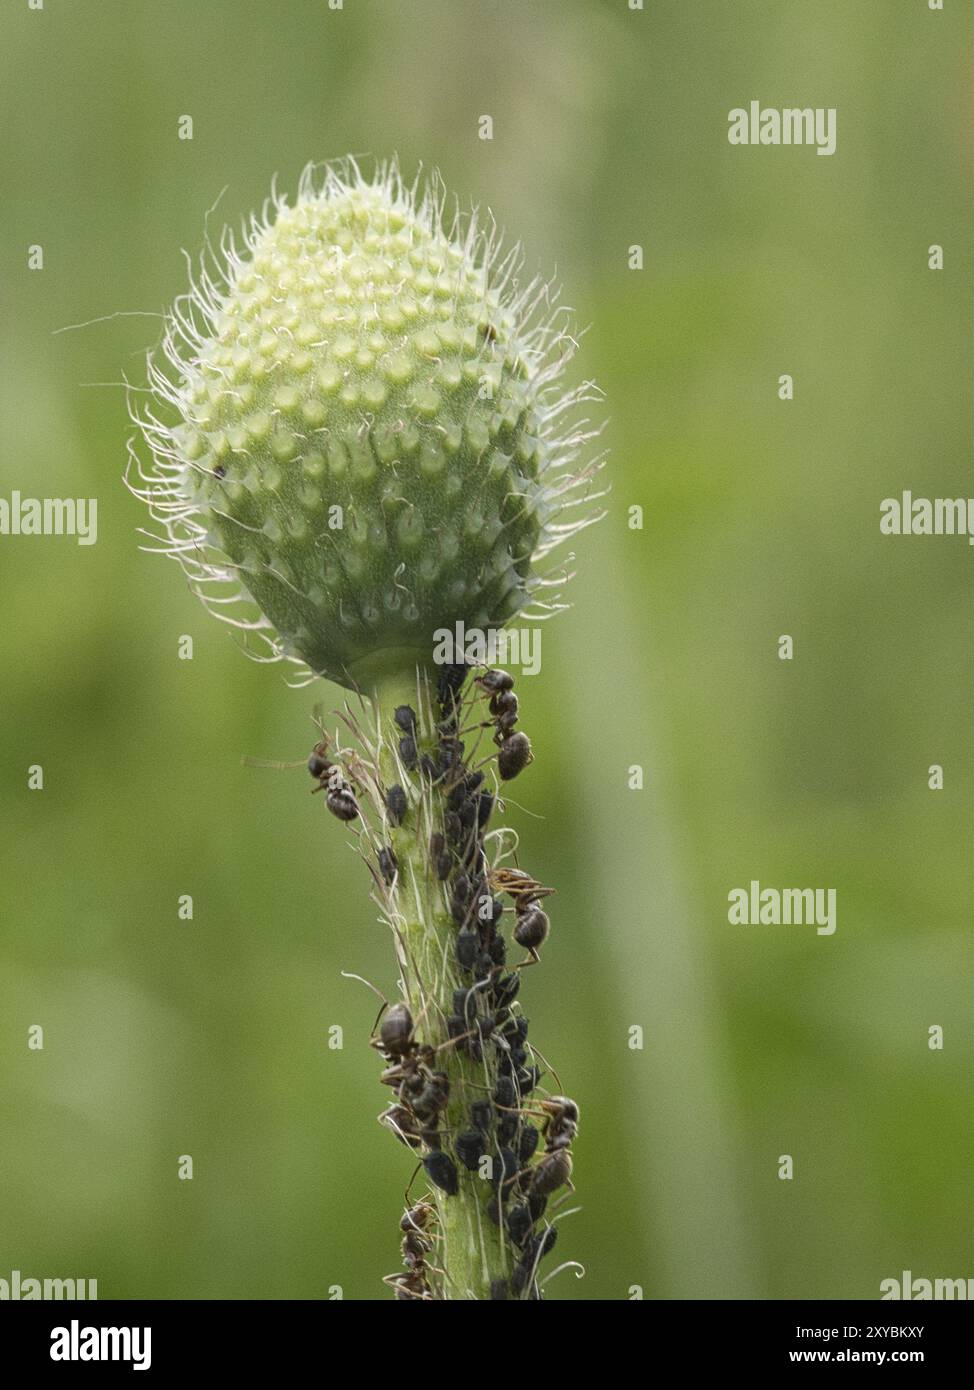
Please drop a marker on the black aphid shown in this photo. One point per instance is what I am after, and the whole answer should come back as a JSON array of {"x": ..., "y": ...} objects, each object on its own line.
[{"x": 442, "y": 1172}]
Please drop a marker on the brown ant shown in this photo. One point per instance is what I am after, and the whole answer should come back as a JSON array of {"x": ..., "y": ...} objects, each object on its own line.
[
  {"x": 422, "y": 1091},
  {"x": 416, "y": 1242},
  {"x": 559, "y": 1126},
  {"x": 417, "y": 1218},
  {"x": 532, "y": 925}
]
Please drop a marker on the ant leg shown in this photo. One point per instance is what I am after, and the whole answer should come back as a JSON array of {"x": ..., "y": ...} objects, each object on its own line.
[
  {"x": 532, "y": 959},
  {"x": 452, "y": 1042},
  {"x": 411, "y": 1181}
]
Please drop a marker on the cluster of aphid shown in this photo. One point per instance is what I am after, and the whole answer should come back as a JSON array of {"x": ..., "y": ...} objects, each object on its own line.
[
  {"x": 483, "y": 1024},
  {"x": 486, "y": 1128}
]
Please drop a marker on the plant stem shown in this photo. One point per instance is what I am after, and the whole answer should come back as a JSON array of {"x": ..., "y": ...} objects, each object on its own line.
[{"x": 471, "y": 1251}]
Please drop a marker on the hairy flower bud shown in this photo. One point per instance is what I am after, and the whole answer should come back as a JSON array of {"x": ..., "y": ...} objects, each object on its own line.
[{"x": 361, "y": 429}]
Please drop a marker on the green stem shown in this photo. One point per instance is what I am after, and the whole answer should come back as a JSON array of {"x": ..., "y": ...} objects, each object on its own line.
[{"x": 471, "y": 1251}]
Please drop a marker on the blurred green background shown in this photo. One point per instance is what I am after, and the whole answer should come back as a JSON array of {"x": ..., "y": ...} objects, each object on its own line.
[{"x": 209, "y": 1038}]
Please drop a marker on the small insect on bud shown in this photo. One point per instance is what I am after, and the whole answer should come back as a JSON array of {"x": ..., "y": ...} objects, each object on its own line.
[
  {"x": 528, "y": 1144},
  {"x": 468, "y": 948},
  {"x": 341, "y": 802},
  {"x": 481, "y": 1114},
  {"x": 519, "y": 1223},
  {"x": 465, "y": 787},
  {"x": 561, "y": 1123},
  {"x": 396, "y": 804},
  {"x": 440, "y": 855},
  {"x": 405, "y": 717},
  {"x": 339, "y": 795},
  {"x": 506, "y": 990},
  {"x": 522, "y": 1274},
  {"x": 493, "y": 681},
  {"x": 504, "y": 1093},
  {"x": 318, "y": 764},
  {"x": 494, "y": 1209},
  {"x": 465, "y": 1003},
  {"x": 388, "y": 864},
  {"x": 553, "y": 1170},
  {"x": 537, "y": 1202},
  {"x": 506, "y": 1128},
  {"x": 449, "y": 754},
  {"x": 504, "y": 703},
  {"x": 442, "y": 1172},
  {"x": 433, "y": 1096},
  {"x": 531, "y": 928},
  {"x": 416, "y": 1218},
  {"x": 396, "y": 1032},
  {"x": 483, "y": 967},
  {"x": 469, "y": 1148},
  {"x": 449, "y": 685},
  {"x": 544, "y": 1244},
  {"x": 462, "y": 905},
  {"x": 415, "y": 1248},
  {"x": 513, "y": 756},
  {"x": 403, "y": 1124}
]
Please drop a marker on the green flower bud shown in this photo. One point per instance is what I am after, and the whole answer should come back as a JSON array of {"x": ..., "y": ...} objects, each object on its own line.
[{"x": 361, "y": 430}]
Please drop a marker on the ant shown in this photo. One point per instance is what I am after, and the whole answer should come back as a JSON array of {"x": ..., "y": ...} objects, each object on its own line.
[
  {"x": 531, "y": 929},
  {"x": 423, "y": 1092},
  {"x": 532, "y": 925},
  {"x": 559, "y": 1127},
  {"x": 513, "y": 756},
  {"x": 416, "y": 1242},
  {"x": 339, "y": 795},
  {"x": 560, "y": 1123},
  {"x": 513, "y": 748}
]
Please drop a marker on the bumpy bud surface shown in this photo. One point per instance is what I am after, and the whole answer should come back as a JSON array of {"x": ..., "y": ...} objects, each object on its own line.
[{"x": 365, "y": 434}]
